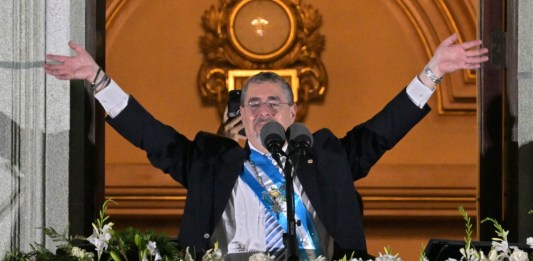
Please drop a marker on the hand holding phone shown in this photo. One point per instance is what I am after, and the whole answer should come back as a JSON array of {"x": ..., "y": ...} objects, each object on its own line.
[{"x": 233, "y": 125}]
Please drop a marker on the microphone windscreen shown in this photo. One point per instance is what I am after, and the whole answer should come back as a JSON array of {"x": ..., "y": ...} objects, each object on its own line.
[
  {"x": 298, "y": 132},
  {"x": 272, "y": 132}
]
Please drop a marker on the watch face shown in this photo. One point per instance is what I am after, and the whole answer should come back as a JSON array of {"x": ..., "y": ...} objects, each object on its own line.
[{"x": 261, "y": 29}]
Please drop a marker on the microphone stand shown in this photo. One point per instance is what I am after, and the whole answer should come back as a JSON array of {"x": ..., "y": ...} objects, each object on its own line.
[{"x": 290, "y": 239}]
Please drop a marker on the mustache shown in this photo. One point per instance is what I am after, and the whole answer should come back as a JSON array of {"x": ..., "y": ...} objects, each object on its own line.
[{"x": 262, "y": 120}]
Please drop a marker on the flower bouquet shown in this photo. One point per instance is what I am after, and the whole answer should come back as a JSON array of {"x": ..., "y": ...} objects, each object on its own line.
[
  {"x": 500, "y": 250},
  {"x": 131, "y": 244}
]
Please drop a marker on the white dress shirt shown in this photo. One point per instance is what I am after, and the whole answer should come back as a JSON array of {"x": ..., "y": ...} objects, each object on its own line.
[{"x": 114, "y": 99}]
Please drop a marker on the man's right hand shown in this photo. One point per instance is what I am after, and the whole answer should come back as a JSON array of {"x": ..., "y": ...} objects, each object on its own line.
[{"x": 78, "y": 67}]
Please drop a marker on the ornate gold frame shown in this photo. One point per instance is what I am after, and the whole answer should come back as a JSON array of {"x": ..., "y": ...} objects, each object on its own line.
[{"x": 223, "y": 55}]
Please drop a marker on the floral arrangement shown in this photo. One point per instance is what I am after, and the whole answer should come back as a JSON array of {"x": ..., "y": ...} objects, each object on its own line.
[
  {"x": 104, "y": 244},
  {"x": 500, "y": 250},
  {"x": 131, "y": 244}
]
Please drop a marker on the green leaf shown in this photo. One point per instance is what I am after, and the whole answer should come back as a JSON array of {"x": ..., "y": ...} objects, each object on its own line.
[
  {"x": 138, "y": 240},
  {"x": 115, "y": 256},
  {"x": 422, "y": 253},
  {"x": 387, "y": 250},
  {"x": 499, "y": 229},
  {"x": 468, "y": 238}
]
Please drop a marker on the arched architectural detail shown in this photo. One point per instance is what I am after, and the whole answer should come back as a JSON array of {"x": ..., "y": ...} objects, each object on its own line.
[
  {"x": 457, "y": 93},
  {"x": 113, "y": 7}
]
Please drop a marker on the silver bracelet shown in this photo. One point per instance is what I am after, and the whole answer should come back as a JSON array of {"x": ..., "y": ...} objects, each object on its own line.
[{"x": 432, "y": 76}]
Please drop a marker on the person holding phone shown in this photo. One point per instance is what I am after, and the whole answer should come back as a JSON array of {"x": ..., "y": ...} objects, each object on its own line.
[{"x": 235, "y": 195}]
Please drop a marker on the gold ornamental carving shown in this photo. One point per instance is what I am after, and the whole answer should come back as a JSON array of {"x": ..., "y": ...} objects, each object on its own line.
[{"x": 243, "y": 37}]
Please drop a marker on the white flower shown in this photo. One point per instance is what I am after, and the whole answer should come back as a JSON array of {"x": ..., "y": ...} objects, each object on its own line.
[
  {"x": 107, "y": 229},
  {"x": 518, "y": 255},
  {"x": 151, "y": 246},
  {"x": 530, "y": 241},
  {"x": 93, "y": 239},
  {"x": 493, "y": 255},
  {"x": 157, "y": 256},
  {"x": 321, "y": 258},
  {"x": 218, "y": 254},
  {"x": 81, "y": 254},
  {"x": 97, "y": 240},
  {"x": 261, "y": 257},
  {"x": 382, "y": 257},
  {"x": 470, "y": 254},
  {"x": 213, "y": 255},
  {"x": 101, "y": 237},
  {"x": 188, "y": 256},
  {"x": 482, "y": 256},
  {"x": 501, "y": 247}
]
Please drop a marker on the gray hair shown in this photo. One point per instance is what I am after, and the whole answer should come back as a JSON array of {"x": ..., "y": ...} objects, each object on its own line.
[{"x": 269, "y": 77}]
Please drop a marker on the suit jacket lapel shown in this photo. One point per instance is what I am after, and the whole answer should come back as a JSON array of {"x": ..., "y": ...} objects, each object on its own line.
[
  {"x": 308, "y": 175},
  {"x": 227, "y": 171}
]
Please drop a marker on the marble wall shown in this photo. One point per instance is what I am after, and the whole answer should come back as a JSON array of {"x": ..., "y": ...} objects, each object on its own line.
[
  {"x": 34, "y": 119},
  {"x": 523, "y": 78}
]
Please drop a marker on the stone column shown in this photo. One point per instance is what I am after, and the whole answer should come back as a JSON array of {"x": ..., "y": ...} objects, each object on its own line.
[
  {"x": 524, "y": 81},
  {"x": 506, "y": 119},
  {"x": 35, "y": 120}
]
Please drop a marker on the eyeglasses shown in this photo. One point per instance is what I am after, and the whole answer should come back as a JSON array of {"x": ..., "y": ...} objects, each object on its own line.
[{"x": 273, "y": 106}]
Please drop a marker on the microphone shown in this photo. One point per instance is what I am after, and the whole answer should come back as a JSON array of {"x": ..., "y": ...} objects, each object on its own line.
[
  {"x": 300, "y": 138},
  {"x": 273, "y": 137}
]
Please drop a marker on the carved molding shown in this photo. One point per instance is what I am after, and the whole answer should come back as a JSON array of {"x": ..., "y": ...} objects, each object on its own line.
[
  {"x": 390, "y": 191},
  {"x": 457, "y": 93},
  {"x": 221, "y": 54}
]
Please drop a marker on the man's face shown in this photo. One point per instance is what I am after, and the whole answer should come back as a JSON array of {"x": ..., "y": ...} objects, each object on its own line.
[{"x": 265, "y": 102}]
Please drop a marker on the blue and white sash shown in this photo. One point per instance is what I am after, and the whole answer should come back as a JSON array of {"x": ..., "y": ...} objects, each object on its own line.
[{"x": 273, "y": 180}]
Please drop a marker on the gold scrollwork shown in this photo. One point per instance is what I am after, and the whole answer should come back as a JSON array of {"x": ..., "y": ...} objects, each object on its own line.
[{"x": 261, "y": 35}]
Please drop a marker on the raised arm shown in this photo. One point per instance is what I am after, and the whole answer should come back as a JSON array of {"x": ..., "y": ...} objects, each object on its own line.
[{"x": 366, "y": 143}]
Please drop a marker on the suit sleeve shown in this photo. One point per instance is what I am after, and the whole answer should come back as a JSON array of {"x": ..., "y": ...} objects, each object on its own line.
[
  {"x": 166, "y": 149},
  {"x": 366, "y": 143}
]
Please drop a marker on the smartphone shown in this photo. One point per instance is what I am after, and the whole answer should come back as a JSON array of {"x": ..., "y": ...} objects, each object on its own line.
[{"x": 234, "y": 106}]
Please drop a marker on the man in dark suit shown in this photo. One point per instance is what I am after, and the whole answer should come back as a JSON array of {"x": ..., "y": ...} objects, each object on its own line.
[{"x": 236, "y": 196}]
